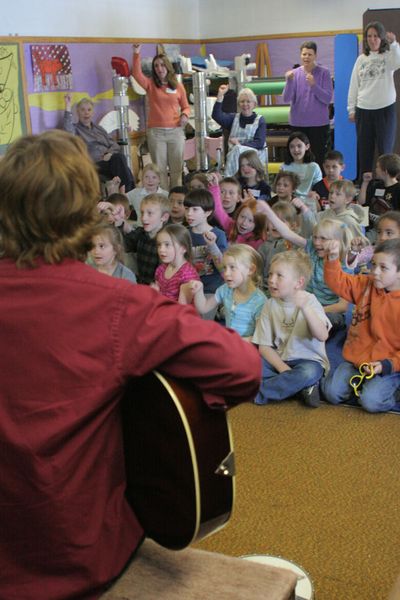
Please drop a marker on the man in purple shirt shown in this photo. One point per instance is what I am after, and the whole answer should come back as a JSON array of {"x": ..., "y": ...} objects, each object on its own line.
[{"x": 309, "y": 91}]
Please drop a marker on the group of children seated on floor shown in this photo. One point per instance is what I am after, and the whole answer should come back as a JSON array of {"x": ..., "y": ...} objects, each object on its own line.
[{"x": 282, "y": 268}]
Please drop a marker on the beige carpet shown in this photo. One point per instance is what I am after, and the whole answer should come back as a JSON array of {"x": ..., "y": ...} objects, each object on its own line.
[{"x": 319, "y": 487}]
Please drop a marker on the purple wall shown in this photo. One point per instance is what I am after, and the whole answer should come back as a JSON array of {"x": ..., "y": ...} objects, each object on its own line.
[{"x": 92, "y": 74}]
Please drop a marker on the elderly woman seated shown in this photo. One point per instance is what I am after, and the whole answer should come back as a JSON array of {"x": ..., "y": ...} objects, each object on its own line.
[
  {"x": 247, "y": 130},
  {"x": 103, "y": 150}
]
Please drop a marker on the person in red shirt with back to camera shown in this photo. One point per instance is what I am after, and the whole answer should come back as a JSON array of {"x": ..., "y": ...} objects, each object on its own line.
[{"x": 71, "y": 339}]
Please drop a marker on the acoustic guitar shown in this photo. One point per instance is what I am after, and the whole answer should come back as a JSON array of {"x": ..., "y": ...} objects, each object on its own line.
[{"x": 179, "y": 460}]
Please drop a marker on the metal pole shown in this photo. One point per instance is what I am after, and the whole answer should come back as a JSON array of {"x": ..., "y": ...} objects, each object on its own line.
[
  {"x": 121, "y": 105},
  {"x": 200, "y": 119}
]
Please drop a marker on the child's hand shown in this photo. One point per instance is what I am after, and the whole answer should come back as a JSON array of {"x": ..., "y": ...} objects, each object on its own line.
[
  {"x": 358, "y": 243},
  {"x": 367, "y": 177},
  {"x": 136, "y": 48},
  {"x": 332, "y": 249},
  {"x": 118, "y": 215},
  {"x": 315, "y": 198},
  {"x": 376, "y": 366},
  {"x": 300, "y": 298},
  {"x": 247, "y": 196},
  {"x": 298, "y": 203},
  {"x": 105, "y": 207},
  {"x": 154, "y": 285},
  {"x": 313, "y": 195},
  {"x": 195, "y": 286},
  {"x": 289, "y": 75},
  {"x": 210, "y": 238},
  {"x": 213, "y": 178}
]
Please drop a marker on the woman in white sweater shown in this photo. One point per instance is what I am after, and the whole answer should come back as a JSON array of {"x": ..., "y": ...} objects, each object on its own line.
[{"x": 372, "y": 95}]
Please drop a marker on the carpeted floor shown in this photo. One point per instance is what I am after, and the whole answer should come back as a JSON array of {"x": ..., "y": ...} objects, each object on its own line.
[{"x": 319, "y": 487}]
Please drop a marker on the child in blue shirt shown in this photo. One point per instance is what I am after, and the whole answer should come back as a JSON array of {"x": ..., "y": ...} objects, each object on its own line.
[
  {"x": 299, "y": 160},
  {"x": 208, "y": 243},
  {"x": 324, "y": 231},
  {"x": 240, "y": 296}
]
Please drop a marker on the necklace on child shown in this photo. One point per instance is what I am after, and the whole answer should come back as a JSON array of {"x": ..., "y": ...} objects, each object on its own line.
[{"x": 289, "y": 320}]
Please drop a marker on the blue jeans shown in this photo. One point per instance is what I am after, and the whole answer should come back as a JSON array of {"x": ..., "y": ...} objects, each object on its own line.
[
  {"x": 378, "y": 394},
  {"x": 278, "y": 386}
]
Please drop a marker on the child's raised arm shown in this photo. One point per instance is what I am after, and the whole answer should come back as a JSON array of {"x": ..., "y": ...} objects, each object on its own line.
[
  {"x": 220, "y": 214},
  {"x": 318, "y": 327},
  {"x": 332, "y": 252},
  {"x": 282, "y": 228},
  {"x": 202, "y": 304},
  {"x": 216, "y": 254},
  {"x": 362, "y": 196}
]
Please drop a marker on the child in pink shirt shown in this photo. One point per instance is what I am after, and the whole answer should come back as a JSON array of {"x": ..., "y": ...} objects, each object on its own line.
[
  {"x": 174, "y": 247},
  {"x": 248, "y": 226}
]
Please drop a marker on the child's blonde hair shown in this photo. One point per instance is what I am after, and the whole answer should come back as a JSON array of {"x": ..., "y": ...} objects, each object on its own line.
[
  {"x": 335, "y": 230},
  {"x": 299, "y": 262},
  {"x": 156, "y": 198},
  {"x": 286, "y": 211},
  {"x": 151, "y": 167},
  {"x": 344, "y": 185},
  {"x": 247, "y": 256},
  {"x": 115, "y": 238}
]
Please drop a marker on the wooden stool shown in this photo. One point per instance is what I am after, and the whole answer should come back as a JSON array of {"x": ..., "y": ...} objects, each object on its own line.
[{"x": 157, "y": 573}]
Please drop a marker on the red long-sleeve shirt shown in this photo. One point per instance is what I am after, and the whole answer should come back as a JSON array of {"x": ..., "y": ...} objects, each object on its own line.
[{"x": 70, "y": 339}]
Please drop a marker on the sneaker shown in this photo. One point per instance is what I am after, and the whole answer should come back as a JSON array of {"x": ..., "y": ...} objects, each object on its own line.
[
  {"x": 260, "y": 400},
  {"x": 310, "y": 396}
]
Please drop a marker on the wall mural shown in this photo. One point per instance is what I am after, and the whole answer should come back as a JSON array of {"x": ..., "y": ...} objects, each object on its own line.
[{"x": 12, "y": 113}]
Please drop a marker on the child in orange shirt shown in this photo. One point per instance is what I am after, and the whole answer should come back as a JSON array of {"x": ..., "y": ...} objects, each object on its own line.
[{"x": 373, "y": 337}]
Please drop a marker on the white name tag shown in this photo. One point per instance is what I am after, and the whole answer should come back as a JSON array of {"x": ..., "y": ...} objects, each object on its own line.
[
  {"x": 170, "y": 91},
  {"x": 379, "y": 193}
]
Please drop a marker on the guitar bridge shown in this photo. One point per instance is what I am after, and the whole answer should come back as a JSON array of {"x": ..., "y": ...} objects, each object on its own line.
[{"x": 227, "y": 467}]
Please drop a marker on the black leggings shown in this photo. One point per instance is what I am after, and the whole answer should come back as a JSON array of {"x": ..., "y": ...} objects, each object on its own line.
[{"x": 374, "y": 128}]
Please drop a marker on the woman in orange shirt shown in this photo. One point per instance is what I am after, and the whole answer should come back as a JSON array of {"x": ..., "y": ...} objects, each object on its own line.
[{"x": 168, "y": 114}]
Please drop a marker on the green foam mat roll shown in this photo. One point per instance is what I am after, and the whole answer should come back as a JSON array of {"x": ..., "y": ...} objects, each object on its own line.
[
  {"x": 266, "y": 87},
  {"x": 274, "y": 114}
]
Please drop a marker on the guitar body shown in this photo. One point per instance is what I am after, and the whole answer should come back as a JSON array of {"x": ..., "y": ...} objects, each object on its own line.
[{"x": 178, "y": 481}]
